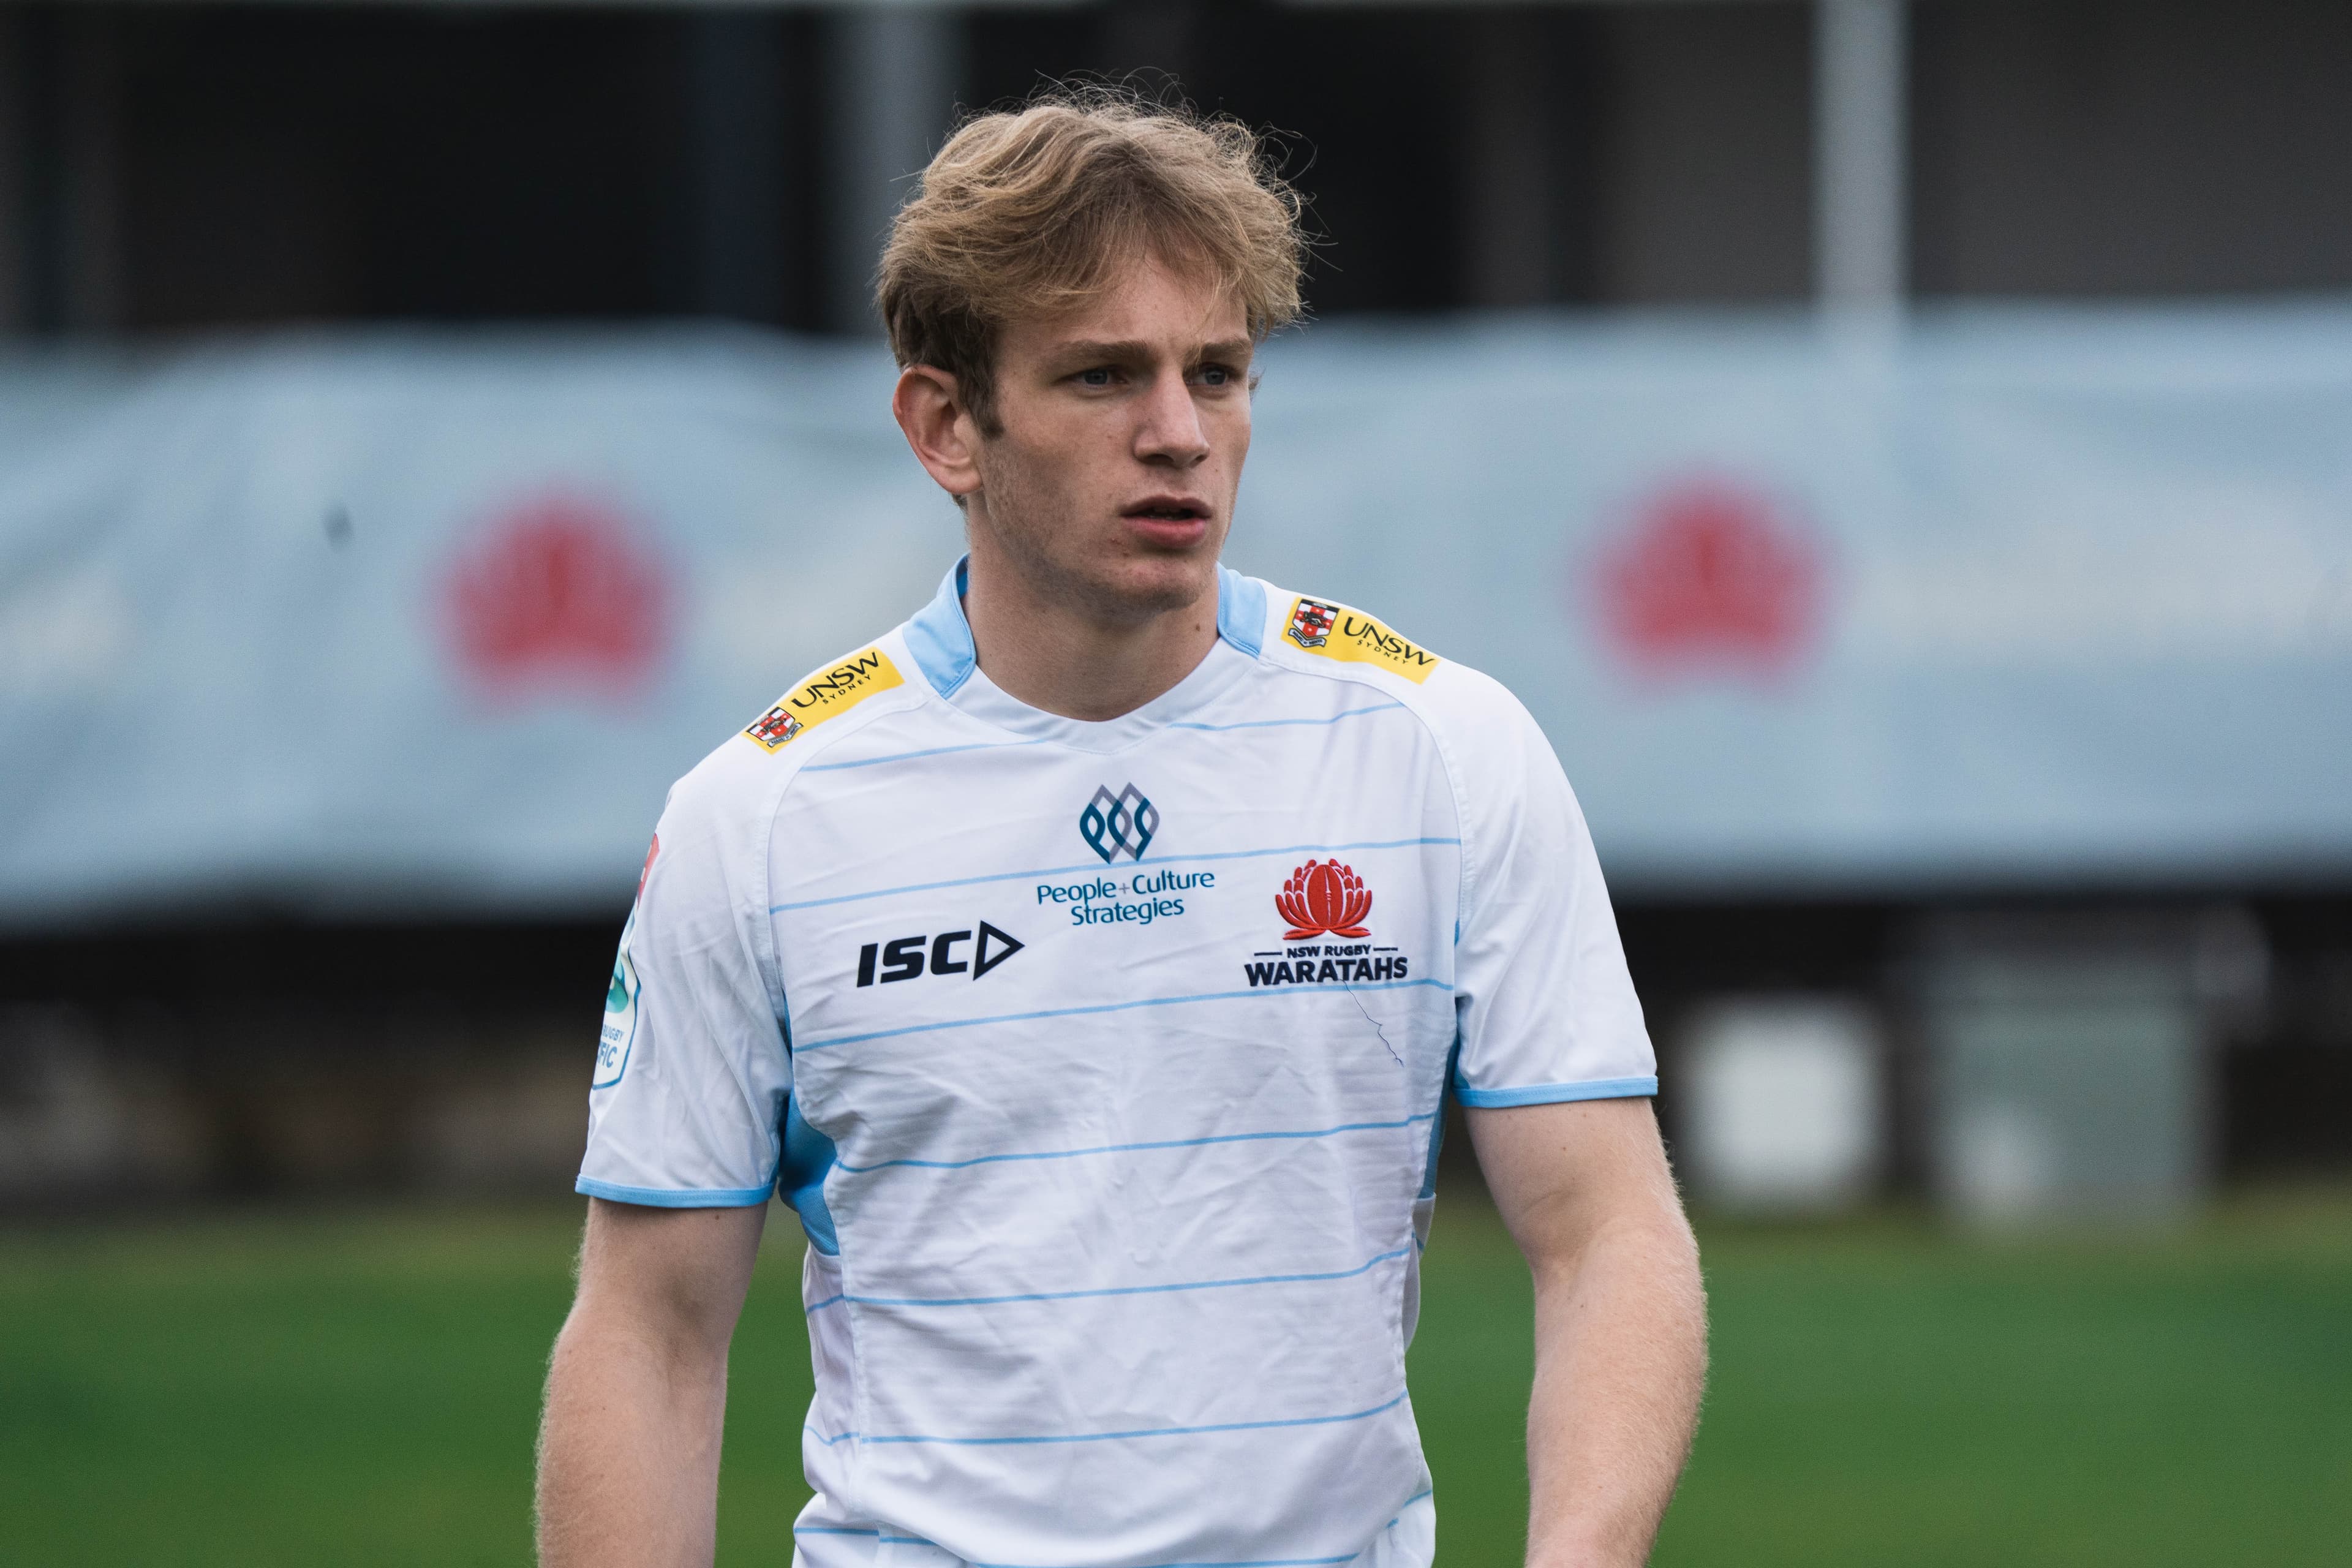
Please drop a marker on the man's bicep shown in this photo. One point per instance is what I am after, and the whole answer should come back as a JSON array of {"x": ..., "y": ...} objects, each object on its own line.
[
  {"x": 1558, "y": 1172},
  {"x": 678, "y": 1270}
]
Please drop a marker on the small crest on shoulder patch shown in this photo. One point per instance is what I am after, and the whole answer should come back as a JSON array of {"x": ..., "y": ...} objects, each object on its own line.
[
  {"x": 1336, "y": 632},
  {"x": 827, "y": 694},
  {"x": 1310, "y": 622}
]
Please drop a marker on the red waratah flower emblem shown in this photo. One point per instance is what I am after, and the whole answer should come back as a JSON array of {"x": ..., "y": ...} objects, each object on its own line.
[
  {"x": 1326, "y": 896},
  {"x": 562, "y": 590}
]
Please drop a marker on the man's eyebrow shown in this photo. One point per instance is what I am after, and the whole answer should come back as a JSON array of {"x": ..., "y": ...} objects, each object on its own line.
[
  {"x": 1089, "y": 348},
  {"x": 1092, "y": 348}
]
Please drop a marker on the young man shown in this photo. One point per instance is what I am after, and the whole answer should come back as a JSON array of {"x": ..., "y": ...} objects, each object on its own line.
[{"x": 1085, "y": 962}]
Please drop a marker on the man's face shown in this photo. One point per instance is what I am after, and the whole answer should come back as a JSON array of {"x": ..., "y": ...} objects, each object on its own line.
[{"x": 1123, "y": 427}]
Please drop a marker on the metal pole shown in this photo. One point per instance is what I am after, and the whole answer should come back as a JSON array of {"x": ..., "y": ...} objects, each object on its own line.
[
  {"x": 1861, "y": 155},
  {"x": 892, "y": 72}
]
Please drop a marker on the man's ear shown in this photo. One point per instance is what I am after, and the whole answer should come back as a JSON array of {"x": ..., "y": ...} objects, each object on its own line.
[{"x": 938, "y": 427}]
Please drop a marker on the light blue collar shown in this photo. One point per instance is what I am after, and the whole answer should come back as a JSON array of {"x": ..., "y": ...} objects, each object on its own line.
[{"x": 941, "y": 638}]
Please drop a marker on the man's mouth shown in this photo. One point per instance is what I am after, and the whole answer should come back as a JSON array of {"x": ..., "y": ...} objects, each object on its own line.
[{"x": 1167, "y": 509}]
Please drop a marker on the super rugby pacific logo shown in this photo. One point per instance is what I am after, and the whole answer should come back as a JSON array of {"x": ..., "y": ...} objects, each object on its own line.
[{"x": 620, "y": 1031}]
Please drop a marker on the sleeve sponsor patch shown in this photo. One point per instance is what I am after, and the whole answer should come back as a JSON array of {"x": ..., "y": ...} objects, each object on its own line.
[
  {"x": 824, "y": 695},
  {"x": 1351, "y": 637}
]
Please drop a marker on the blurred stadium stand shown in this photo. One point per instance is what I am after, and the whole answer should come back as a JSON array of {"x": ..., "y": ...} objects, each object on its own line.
[{"x": 290, "y": 200}]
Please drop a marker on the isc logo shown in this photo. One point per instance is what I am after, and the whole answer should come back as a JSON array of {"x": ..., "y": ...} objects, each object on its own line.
[{"x": 949, "y": 952}]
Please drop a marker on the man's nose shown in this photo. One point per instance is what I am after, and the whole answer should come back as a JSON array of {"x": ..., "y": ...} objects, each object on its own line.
[{"x": 1171, "y": 429}]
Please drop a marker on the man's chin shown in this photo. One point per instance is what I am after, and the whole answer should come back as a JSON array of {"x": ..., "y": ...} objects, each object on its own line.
[{"x": 1158, "y": 583}]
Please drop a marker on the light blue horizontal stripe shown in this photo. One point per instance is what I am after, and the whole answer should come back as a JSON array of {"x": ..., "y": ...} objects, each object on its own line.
[
  {"x": 674, "y": 1197},
  {"x": 1278, "y": 723},
  {"x": 1206, "y": 1563},
  {"x": 1257, "y": 1562},
  {"x": 1555, "y": 1093},
  {"x": 1005, "y": 745},
  {"x": 1114, "y": 1436},
  {"x": 1259, "y": 992},
  {"x": 1139, "y": 1148},
  {"x": 840, "y": 1530},
  {"x": 1112, "y": 1290},
  {"x": 1224, "y": 1562},
  {"x": 1096, "y": 866},
  {"x": 910, "y": 756}
]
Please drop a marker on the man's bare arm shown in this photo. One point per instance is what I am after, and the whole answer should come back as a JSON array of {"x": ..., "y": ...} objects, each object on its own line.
[
  {"x": 636, "y": 1391},
  {"x": 1621, "y": 1321}
]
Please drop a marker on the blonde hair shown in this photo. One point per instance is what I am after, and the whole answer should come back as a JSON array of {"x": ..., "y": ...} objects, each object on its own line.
[{"x": 1032, "y": 210}]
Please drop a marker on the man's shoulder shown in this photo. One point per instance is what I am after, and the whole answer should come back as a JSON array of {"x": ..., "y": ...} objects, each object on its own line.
[
  {"x": 752, "y": 767},
  {"x": 1312, "y": 633}
]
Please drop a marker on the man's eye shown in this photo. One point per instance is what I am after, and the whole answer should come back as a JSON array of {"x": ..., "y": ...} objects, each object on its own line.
[{"x": 1099, "y": 376}]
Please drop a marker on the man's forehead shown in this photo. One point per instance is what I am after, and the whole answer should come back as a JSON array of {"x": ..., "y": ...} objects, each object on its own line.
[{"x": 1145, "y": 306}]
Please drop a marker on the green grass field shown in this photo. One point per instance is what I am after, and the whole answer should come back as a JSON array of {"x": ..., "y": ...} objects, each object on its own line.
[{"x": 361, "y": 1389}]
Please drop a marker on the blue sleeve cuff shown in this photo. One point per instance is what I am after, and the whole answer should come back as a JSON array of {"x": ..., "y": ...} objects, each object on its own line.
[
  {"x": 1556, "y": 1093},
  {"x": 672, "y": 1197}
]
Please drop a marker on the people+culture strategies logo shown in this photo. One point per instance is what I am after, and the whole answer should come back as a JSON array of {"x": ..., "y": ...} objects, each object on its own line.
[
  {"x": 1325, "y": 899},
  {"x": 1121, "y": 823},
  {"x": 1113, "y": 826}
]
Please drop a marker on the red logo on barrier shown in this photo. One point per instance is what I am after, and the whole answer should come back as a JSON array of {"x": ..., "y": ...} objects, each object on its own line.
[
  {"x": 561, "y": 590},
  {"x": 1710, "y": 575},
  {"x": 1322, "y": 897}
]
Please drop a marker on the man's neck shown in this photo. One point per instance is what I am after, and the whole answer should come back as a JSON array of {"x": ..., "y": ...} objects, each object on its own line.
[{"x": 1055, "y": 655}]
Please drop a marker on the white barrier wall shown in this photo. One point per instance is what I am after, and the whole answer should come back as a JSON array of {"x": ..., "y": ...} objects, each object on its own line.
[{"x": 426, "y": 622}]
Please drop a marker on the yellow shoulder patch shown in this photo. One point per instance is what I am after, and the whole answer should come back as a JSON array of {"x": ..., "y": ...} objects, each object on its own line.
[
  {"x": 827, "y": 694},
  {"x": 1351, "y": 637}
]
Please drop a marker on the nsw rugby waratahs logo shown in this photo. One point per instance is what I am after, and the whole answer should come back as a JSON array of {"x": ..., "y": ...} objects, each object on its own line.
[{"x": 1324, "y": 897}]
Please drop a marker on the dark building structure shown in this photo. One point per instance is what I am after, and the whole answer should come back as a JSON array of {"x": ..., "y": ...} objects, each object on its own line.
[{"x": 190, "y": 168}]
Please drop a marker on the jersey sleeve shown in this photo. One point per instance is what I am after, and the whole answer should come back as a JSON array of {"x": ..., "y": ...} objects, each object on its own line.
[
  {"x": 686, "y": 1106},
  {"x": 1546, "y": 1008}
]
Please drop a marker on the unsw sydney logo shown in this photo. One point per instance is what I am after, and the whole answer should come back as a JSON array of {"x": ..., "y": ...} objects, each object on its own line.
[
  {"x": 1336, "y": 632},
  {"x": 827, "y": 694},
  {"x": 1325, "y": 899}
]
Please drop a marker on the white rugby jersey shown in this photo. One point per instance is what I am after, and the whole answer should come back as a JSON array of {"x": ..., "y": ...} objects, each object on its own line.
[{"x": 1103, "y": 1063}]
